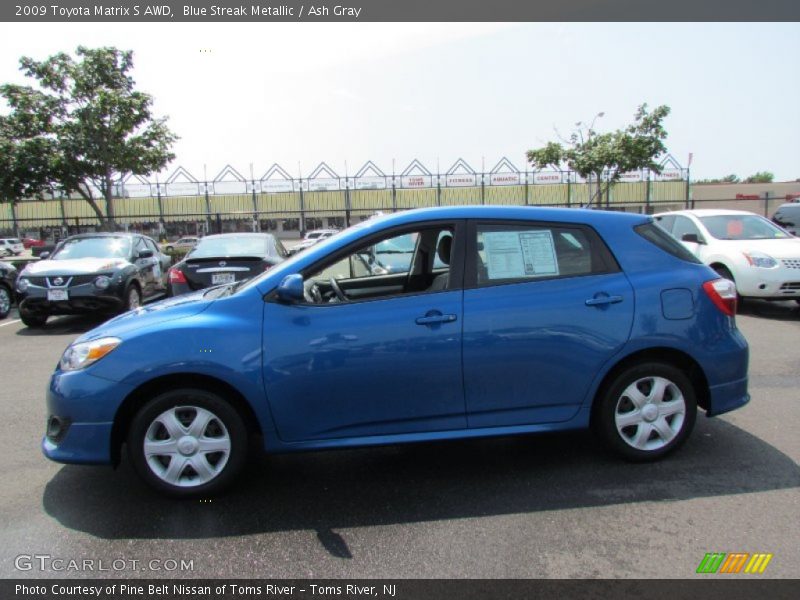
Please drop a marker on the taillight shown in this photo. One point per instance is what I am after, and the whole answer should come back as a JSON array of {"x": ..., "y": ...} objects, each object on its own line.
[
  {"x": 176, "y": 276},
  {"x": 723, "y": 294}
]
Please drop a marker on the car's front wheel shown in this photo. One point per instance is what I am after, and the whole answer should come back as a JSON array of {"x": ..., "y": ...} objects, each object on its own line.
[
  {"x": 133, "y": 298},
  {"x": 5, "y": 301},
  {"x": 188, "y": 442},
  {"x": 32, "y": 320},
  {"x": 646, "y": 412}
]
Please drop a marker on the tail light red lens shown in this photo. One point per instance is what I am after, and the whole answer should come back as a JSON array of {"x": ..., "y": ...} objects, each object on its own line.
[
  {"x": 723, "y": 294},
  {"x": 176, "y": 276}
]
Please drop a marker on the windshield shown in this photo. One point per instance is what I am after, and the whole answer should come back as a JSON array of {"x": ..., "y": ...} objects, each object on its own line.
[
  {"x": 403, "y": 244},
  {"x": 99, "y": 247},
  {"x": 226, "y": 246},
  {"x": 742, "y": 227}
]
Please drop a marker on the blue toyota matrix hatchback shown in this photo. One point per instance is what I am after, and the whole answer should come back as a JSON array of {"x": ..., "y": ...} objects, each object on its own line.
[{"x": 429, "y": 324}]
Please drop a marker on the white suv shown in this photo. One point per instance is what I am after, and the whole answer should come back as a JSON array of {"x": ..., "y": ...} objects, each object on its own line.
[
  {"x": 762, "y": 259},
  {"x": 9, "y": 246}
]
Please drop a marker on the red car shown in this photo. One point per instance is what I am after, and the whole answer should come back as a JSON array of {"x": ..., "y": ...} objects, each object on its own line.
[{"x": 30, "y": 242}]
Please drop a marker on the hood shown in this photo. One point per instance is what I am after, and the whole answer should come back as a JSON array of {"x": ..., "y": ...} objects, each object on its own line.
[
  {"x": 75, "y": 266},
  {"x": 781, "y": 248},
  {"x": 151, "y": 315}
]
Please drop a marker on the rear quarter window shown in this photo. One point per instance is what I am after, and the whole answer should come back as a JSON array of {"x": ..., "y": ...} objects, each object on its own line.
[{"x": 658, "y": 237}]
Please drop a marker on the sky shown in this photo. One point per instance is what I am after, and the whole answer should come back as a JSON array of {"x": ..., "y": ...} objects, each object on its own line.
[{"x": 298, "y": 94}]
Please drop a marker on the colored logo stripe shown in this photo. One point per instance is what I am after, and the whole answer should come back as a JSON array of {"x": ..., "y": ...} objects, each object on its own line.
[
  {"x": 758, "y": 563},
  {"x": 734, "y": 562},
  {"x": 711, "y": 562}
]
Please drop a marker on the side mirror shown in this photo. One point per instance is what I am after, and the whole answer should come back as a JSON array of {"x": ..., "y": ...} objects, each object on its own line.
[
  {"x": 692, "y": 238},
  {"x": 44, "y": 255},
  {"x": 291, "y": 289},
  {"x": 145, "y": 254}
]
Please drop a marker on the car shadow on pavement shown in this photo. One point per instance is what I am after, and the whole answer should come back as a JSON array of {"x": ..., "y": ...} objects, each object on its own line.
[
  {"x": 65, "y": 325},
  {"x": 777, "y": 311},
  {"x": 332, "y": 490}
]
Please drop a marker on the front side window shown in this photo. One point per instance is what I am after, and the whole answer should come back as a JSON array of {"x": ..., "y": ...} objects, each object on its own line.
[{"x": 515, "y": 253}]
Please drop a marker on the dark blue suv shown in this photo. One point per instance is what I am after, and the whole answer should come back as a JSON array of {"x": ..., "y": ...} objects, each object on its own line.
[{"x": 501, "y": 320}]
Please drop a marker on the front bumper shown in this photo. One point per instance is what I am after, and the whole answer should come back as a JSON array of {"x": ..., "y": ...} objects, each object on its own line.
[
  {"x": 781, "y": 283},
  {"x": 89, "y": 405},
  {"x": 82, "y": 299}
]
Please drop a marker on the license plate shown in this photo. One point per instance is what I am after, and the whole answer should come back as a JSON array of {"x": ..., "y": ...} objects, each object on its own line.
[
  {"x": 57, "y": 295},
  {"x": 217, "y": 278}
]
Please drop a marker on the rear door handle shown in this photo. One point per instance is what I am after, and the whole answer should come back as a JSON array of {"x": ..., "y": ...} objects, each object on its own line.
[
  {"x": 434, "y": 319},
  {"x": 602, "y": 299}
]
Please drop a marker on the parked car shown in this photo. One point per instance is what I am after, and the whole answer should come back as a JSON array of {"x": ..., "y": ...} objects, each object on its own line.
[
  {"x": 181, "y": 245},
  {"x": 91, "y": 272},
  {"x": 312, "y": 237},
  {"x": 788, "y": 217},
  {"x": 225, "y": 258},
  {"x": 762, "y": 259},
  {"x": 537, "y": 320},
  {"x": 32, "y": 243},
  {"x": 8, "y": 277},
  {"x": 11, "y": 246}
]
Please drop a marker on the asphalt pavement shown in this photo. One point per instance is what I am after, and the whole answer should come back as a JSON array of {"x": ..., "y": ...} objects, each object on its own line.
[{"x": 544, "y": 506}]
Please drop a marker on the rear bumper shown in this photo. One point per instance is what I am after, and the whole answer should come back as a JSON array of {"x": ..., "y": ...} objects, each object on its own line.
[{"x": 727, "y": 397}]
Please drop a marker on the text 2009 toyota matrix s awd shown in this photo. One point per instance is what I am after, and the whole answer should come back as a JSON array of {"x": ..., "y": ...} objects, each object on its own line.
[{"x": 502, "y": 320}]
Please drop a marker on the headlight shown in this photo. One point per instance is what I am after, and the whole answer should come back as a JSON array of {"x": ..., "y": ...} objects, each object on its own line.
[
  {"x": 22, "y": 284},
  {"x": 102, "y": 282},
  {"x": 759, "y": 259},
  {"x": 80, "y": 356}
]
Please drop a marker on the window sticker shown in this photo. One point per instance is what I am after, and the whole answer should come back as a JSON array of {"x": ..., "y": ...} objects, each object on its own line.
[{"x": 520, "y": 254}]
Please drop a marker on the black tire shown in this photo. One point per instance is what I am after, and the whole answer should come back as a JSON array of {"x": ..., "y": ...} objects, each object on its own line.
[
  {"x": 220, "y": 467},
  {"x": 32, "y": 320},
  {"x": 643, "y": 439},
  {"x": 6, "y": 299},
  {"x": 127, "y": 300}
]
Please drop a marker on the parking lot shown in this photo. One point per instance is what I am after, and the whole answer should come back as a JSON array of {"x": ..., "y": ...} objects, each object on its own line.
[{"x": 547, "y": 506}]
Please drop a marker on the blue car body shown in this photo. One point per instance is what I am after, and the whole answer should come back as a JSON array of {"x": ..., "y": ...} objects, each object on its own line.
[{"x": 522, "y": 357}]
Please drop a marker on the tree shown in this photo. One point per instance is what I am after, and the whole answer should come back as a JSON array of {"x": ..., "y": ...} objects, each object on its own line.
[
  {"x": 727, "y": 179},
  {"x": 592, "y": 154},
  {"x": 760, "y": 177},
  {"x": 90, "y": 123}
]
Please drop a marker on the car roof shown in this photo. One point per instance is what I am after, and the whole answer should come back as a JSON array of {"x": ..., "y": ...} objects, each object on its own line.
[
  {"x": 706, "y": 212},
  {"x": 528, "y": 213},
  {"x": 238, "y": 234},
  {"x": 127, "y": 234}
]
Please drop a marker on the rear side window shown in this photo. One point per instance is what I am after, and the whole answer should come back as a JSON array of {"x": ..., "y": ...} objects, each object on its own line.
[
  {"x": 658, "y": 237},
  {"x": 514, "y": 253}
]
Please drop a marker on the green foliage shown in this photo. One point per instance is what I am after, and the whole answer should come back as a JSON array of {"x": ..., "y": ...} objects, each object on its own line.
[
  {"x": 84, "y": 126},
  {"x": 760, "y": 177},
  {"x": 727, "y": 179},
  {"x": 591, "y": 154}
]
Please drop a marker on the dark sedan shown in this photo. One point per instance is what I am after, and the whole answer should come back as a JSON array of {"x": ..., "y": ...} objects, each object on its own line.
[
  {"x": 8, "y": 275},
  {"x": 225, "y": 258},
  {"x": 92, "y": 272}
]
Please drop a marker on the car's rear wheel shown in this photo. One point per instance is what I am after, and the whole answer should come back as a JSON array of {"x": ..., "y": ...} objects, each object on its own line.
[
  {"x": 133, "y": 298},
  {"x": 646, "y": 412},
  {"x": 5, "y": 301},
  {"x": 32, "y": 320},
  {"x": 188, "y": 442}
]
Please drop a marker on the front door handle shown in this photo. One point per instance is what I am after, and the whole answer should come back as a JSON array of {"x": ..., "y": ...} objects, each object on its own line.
[
  {"x": 602, "y": 299},
  {"x": 434, "y": 319}
]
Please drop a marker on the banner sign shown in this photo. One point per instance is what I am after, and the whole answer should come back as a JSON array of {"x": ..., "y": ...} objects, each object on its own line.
[
  {"x": 272, "y": 186},
  {"x": 323, "y": 185},
  {"x": 138, "y": 191},
  {"x": 183, "y": 189},
  {"x": 230, "y": 187},
  {"x": 631, "y": 176},
  {"x": 370, "y": 183},
  {"x": 505, "y": 179},
  {"x": 669, "y": 175},
  {"x": 545, "y": 177},
  {"x": 416, "y": 181}
]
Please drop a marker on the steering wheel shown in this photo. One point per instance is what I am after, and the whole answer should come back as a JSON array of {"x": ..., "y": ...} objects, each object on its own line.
[
  {"x": 312, "y": 294},
  {"x": 338, "y": 290}
]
